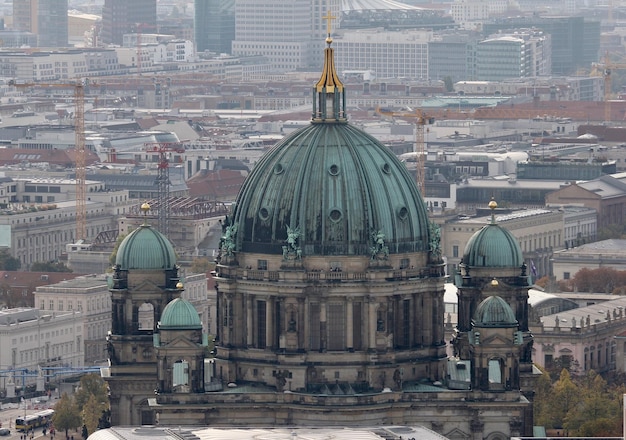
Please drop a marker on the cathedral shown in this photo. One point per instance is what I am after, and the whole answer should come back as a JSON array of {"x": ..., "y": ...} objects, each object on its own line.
[{"x": 330, "y": 284}]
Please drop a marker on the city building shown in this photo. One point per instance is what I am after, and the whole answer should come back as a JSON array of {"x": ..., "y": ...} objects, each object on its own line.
[
  {"x": 36, "y": 342},
  {"x": 606, "y": 253},
  {"x": 583, "y": 339},
  {"x": 121, "y": 17},
  {"x": 519, "y": 55},
  {"x": 52, "y": 23},
  {"x": 89, "y": 295},
  {"x": 575, "y": 40},
  {"x": 214, "y": 25},
  {"x": 279, "y": 30},
  {"x": 330, "y": 294},
  {"x": 388, "y": 54},
  {"x": 47, "y": 19},
  {"x": 606, "y": 194}
]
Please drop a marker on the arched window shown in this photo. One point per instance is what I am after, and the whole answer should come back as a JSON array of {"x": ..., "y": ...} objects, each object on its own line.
[
  {"x": 180, "y": 375},
  {"x": 146, "y": 317}
]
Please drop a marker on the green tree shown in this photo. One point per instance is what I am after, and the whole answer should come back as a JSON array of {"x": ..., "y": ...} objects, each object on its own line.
[
  {"x": 447, "y": 82},
  {"x": 7, "y": 262},
  {"x": 66, "y": 414},
  {"x": 201, "y": 265},
  {"x": 541, "y": 405},
  {"x": 91, "y": 385},
  {"x": 91, "y": 413},
  {"x": 565, "y": 396},
  {"x": 113, "y": 255},
  {"x": 51, "y": 266},
  {"x": 599, "y": 409}
]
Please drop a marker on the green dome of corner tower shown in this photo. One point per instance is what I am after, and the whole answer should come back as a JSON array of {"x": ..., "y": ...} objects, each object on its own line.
[
  {"x": 145, "y": 248},
  {"x": 180, "y": 314},
  {"x": 493, "y": 246}
]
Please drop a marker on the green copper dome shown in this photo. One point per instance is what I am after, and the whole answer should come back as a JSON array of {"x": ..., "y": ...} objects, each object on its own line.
[
  {"x": 494, "y": 312},
  {"x": 145, "y": 248},
  {"x": 337, "y": 187},
  {"x": 180, "y": 314},
  {"x": 493, "y": 246}
]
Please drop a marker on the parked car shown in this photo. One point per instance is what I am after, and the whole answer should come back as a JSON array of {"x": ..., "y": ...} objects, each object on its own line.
[{"x": 5, "y": 431}]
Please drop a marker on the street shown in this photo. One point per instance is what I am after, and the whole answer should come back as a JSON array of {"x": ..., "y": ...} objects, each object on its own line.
[{"x": 10, "y": 412}]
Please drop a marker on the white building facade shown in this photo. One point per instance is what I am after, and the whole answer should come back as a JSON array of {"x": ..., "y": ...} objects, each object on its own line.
[
  {"x": 33, "y": 339},
  {"x": 388, "y": 54}
]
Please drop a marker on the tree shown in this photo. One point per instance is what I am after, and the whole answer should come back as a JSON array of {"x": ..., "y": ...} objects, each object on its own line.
[
  {"x": 91, "y": 385},
  {"x": 113, "y": 255},
  {"x": 447, "y": 82},
  {"x": 92, "y": 401},
  {"x": 7, "y": 262},
  {"x": 91, "y": 413},
  {"x": 565, "y": 397},
  {"x": 599, "y": 410},
  {"x": 201, "y": 265},
  {"x": 66, "y": 414},
  {"x": 51, "y": 266}
]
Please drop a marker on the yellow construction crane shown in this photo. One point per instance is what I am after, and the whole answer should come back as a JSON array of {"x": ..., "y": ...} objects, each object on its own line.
[
  {"x": 606, "y": 69},
  {"x": 421, "y": 119},
  {"x": 79, "y": 130}
]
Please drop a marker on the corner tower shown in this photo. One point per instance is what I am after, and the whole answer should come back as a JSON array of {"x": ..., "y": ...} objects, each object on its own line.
[{"x": 145, "y": 279}]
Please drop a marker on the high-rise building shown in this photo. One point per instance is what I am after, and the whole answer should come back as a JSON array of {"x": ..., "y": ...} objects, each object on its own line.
[
  {"x": 45, "y": 18},
  {"x": 52, "y": 23},
  {"x": 121, "y": 17},
  {"x": 214, "y": 25},
  {"x": 286, "y": 32},
  {"x": 25, "y": 15}
]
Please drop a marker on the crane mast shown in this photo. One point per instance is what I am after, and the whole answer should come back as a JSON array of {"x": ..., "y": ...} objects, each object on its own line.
[
  {"x": 419, "y": 148},
  {"x": 79, "y": 141}
]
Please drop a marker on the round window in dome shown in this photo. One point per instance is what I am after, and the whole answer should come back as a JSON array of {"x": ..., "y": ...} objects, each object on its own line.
[
  {"x": 335, "y": 215},
  {"x": 278, "y": 169},
  {"x": 264, "y": 214},
  {"x": 403, "y": 213},
  {"x": 386, "y": 168},
  {"x": 333, "y": 170}
]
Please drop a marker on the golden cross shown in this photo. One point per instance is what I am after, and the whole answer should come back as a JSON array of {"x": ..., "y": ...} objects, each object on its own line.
[{"x": 328, "y": 17}]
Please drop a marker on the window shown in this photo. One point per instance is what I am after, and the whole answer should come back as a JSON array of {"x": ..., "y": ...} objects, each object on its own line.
[
  {"x": 261, "y": 264},
  {"x": 566, "y": 275},
  {"x": 455, "y": 251},
  {"x": 404, "y": 263},
  {"x": 60, "y": 306}
]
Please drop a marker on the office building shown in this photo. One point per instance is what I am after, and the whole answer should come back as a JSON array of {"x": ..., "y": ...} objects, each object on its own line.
[
  {"x": 47, "y": 19},
  {"x": 121, "y": 17},
  {"x": 214, "y": 25}
]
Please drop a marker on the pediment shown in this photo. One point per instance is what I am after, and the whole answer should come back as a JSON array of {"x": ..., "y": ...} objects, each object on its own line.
[
  {"x": 496, "y": 340},
  {"x": 457, "y": 434},
  {"x": 180, "y": 343},
  {"x": 146, "y": 286}
]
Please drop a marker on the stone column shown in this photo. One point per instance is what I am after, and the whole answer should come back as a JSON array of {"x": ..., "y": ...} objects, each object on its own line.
[
  {"x": 427, "y": 320},
  {"x": 269, "y": 322},
  {"x": 349, "y": 324},
  {"x": 371, "y": 323},
  {"x": 249, "y": 312},
  {"x": 323, "y": 327}
]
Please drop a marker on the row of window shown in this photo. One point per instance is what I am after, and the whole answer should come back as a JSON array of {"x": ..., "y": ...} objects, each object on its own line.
[{"x": 95, "y": 305}]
